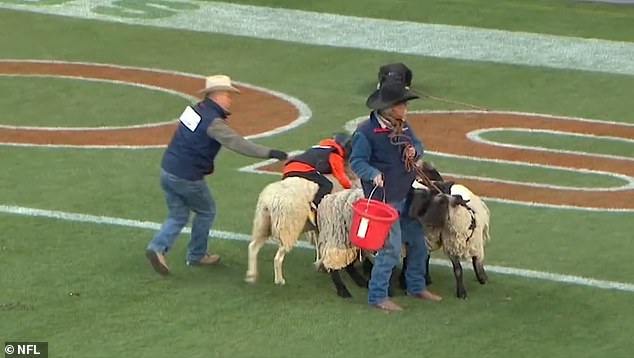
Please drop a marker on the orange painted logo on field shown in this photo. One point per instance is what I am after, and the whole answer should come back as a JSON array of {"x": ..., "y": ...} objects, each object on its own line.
[
  {"x": 251, "y": 106},
  {"x": 448, "y": 133}
]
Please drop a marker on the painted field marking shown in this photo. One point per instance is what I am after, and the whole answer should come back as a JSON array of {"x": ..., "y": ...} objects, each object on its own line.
[
  {"x": 476, "y": 136},
  {"x": 255, "y": 168},
  {"x": 324, "y": 29},
  {"x": 519, "y": 192},
  {"x": 182, "y": 84},
  {"x": 227, "y": 235}
]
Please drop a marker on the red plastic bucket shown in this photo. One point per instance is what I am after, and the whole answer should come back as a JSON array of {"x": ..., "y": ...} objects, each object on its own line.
[{"x": 371, "y": 222}]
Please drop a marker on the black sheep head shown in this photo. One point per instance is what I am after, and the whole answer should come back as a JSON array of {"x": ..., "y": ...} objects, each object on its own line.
[
  {"x": 420, "y": 198},
  {"x": 443, "y": 186},
  {"x": 438, "y": 211},
  {"x": 457, "y": 199},
  {"x": 430, "y": 172}
]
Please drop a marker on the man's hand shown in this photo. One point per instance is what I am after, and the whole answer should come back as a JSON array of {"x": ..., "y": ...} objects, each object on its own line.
[
  {"x": 278, "y": 154},
  {"x": 378, "y": 180}
]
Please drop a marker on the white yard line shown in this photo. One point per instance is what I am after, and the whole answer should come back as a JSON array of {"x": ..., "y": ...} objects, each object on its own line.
[
  {"x": 402, "y": 37},
  {"x": 227, "y": 235},
  {"x": 476, "y": 136}
]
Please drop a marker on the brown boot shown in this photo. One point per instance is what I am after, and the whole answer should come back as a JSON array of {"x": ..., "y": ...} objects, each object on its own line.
[
  {"x": 157, "y": 260},
  {"x": 427, "y": 296},
  {"x": 388, "y": 306},
  {"x": 207, "y": 260}
]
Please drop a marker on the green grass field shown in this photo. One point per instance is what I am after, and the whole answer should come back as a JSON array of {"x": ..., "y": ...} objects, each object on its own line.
[{"x": 125, "y": 309}]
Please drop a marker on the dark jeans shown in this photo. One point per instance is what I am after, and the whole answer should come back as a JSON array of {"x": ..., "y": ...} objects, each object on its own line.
[
  {"x": 325, "y": 186},
  {"x": 183, "y": 196}
]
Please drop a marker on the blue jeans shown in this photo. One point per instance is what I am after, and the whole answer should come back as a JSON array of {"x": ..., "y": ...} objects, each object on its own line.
[
  {"x": 182, "y": 196},
  {"x": 408, "y": 231}
]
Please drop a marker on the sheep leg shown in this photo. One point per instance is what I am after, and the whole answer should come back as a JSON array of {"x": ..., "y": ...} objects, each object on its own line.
[
  {"x": 461, "y": 292},
  {"x": 356, "y": 276},
  {"x": 261, "y": 231},
  {"x": 390, "y": 287},
  {"x": 478, "y": 268},
  {"x": 367, "y": 266},
  {"x": 401, "y": 278},
  {"x": 277, "y": 265},
  {"x": 312, "y": 238},
  {"x": 428, "y": 280},
  {"x": 252, "y": 271},
  {"x": 342, "y": 290}
]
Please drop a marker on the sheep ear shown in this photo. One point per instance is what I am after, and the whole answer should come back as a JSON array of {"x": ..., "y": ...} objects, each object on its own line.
[{"x": 459, "y": 200}]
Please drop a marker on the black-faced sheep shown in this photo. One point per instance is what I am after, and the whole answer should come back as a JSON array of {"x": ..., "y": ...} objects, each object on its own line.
[{"x": 457, "y": 222}]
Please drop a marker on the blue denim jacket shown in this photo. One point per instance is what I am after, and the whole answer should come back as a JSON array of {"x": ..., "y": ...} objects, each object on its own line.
[{"x": 361, "y": 157}]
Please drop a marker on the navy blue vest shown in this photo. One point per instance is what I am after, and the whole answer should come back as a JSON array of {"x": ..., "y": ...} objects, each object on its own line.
[
  {"x": 190, "y": 154},
  {"x": 387, "y": 158}
]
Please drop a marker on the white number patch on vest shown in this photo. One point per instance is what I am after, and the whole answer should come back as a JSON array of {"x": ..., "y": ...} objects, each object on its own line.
[{"x": 190, "y": 118}]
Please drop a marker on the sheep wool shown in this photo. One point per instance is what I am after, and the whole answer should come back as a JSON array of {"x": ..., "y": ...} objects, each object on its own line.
[
  {"x": 334, "y": 218},
  {"x": 282, "y": 209},
  {"x": 454, "y": 237}
]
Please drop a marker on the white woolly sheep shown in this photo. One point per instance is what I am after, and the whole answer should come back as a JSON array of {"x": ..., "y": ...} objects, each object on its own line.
[
  {"x": 282, "y": 213},
  {"x": 334, "y": 249}
]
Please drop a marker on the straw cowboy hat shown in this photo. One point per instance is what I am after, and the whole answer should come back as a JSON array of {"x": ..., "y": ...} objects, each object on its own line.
[
  {"x": 218, "y": 83},
  {"x": 391, "y": 92}
]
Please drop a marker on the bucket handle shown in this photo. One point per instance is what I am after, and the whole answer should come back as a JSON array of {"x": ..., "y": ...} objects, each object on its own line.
[{"x": 370, "y": 197}]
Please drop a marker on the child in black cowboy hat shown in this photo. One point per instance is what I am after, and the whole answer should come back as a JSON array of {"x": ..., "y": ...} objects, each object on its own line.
[{"x": 382, "y": 146}]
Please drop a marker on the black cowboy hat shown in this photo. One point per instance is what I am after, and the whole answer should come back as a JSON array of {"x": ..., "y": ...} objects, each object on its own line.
[
  {"x": 388, "y": 94},
  {"x": 395, "y": 71}
]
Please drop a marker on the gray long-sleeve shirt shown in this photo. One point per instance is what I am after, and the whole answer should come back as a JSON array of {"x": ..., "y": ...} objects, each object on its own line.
[{"x": 220, "y": 131}]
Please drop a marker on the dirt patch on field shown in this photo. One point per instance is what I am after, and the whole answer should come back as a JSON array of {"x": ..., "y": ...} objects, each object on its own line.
[{"x": 253, "y": 111}]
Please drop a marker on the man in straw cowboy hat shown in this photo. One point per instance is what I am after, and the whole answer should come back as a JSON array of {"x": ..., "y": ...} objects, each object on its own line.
[
  {"x": 381, "y": 147},
  {"x": 189, "y": 157}
]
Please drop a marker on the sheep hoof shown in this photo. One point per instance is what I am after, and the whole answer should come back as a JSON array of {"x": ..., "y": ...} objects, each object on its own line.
[
  {"x": 344, "y": 294},
  {"x": 250, "y": 279},
  {"x": 483, "y": 278},
  {"x": 319, "y": 267},
  {"x": 462, "y": 295},
  {"x": 280, "y": 282}
]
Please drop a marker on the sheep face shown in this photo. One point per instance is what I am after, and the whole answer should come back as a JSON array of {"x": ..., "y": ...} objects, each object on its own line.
[
  {"x": 437, "y": 212},
  {"x": 421, "y": 197},
  {"x": 443, "y": 186},
  {"x": 419, "y": 202},
  {"x": 438, "y": 209}
]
